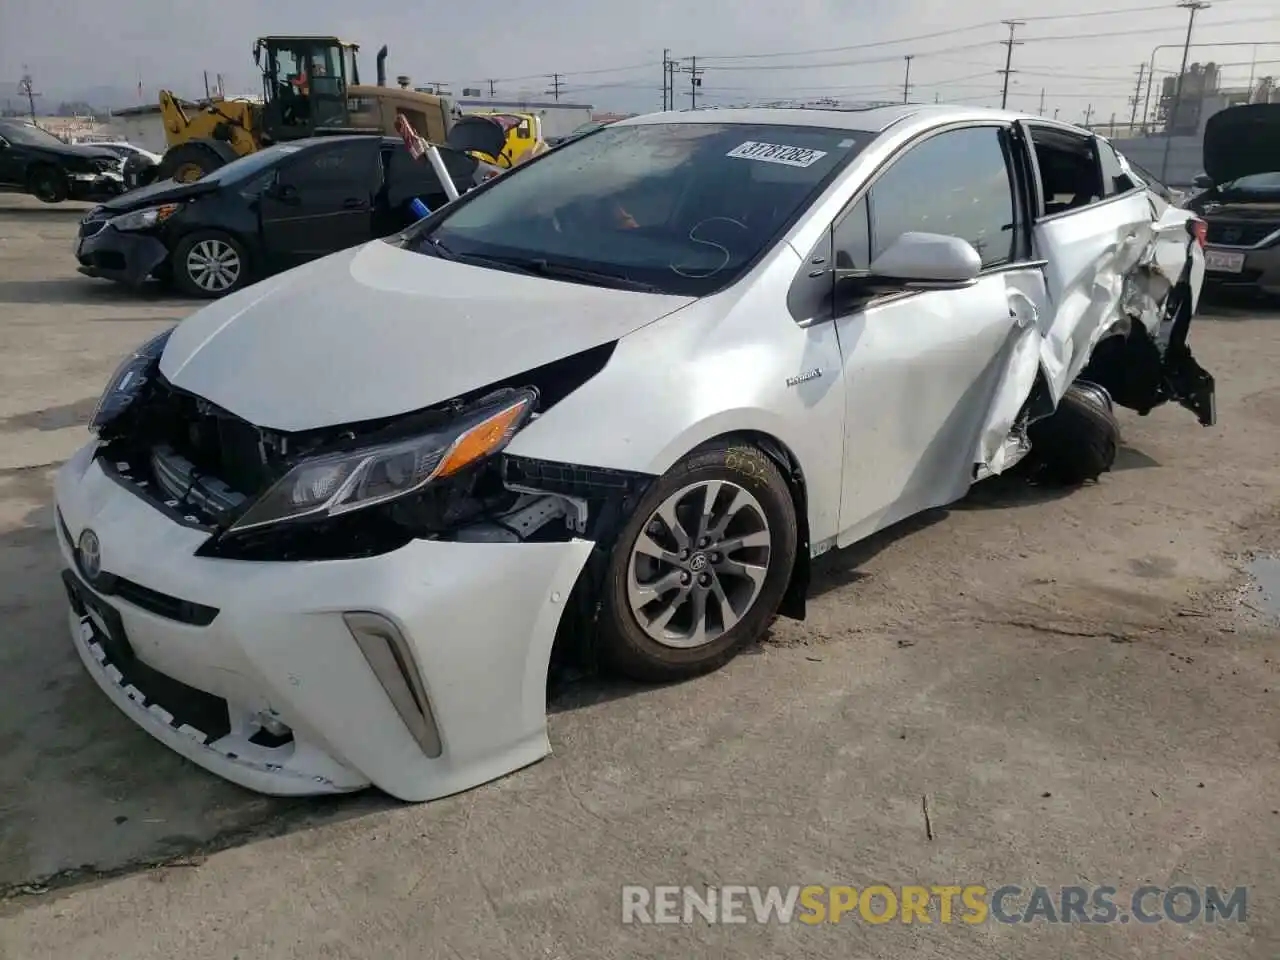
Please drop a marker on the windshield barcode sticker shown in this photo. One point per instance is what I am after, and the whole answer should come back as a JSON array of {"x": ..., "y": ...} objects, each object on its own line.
[{"x": 777, "y": 153}]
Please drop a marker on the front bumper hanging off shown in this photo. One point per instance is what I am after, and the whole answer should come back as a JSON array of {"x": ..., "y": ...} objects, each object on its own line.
[{"x": 421, "y": 671}]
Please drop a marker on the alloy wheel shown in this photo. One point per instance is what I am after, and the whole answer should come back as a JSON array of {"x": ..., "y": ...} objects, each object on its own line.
[
  {"x": 699, "y": 564},
  {"x": 213, "y": 265}
]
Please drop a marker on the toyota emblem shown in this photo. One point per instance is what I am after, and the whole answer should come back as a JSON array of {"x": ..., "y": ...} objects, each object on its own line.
[{"x": 90, "y": 554}]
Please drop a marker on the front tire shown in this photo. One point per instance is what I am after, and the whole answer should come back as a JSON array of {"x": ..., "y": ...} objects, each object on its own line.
[
  {"x": 48, "y": 184},
  {"x": 209, "y": 264},
  {"x": 700, "y": 568}
]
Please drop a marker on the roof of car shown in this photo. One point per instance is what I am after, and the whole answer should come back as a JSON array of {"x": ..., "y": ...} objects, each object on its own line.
[{"x": 866, "y": 119}]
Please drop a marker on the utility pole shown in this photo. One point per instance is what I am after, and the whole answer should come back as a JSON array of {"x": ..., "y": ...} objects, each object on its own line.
[
  {"x": 25, "y": 87},
  {"x": 492, "y": 86},
  {"x": 1009, "y": 44},
  {"x": 1192, "y": 7},
  {"x": 906, "y": 80},
  {"x": 671, "y": 83},
  {"x": 666, "y": 78},
  {"x": 1137, "y": 97},
  {"x": 1088, "y": 112},
  {"x": 695, "y": 81},
  {"x": 1042, "y": 101},
  {"x": 556, "y": 84}
]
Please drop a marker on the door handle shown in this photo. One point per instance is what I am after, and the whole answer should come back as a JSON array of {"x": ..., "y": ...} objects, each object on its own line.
[{"x": 351, "y": 203}]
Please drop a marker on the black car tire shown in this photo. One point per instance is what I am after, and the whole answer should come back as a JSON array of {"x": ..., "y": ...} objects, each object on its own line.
[
  {"x": 624, "y": 644},
  {"x": 47, "y": 183},
  {"x": 206, "y": 245},
  {"x": 1077, "y": 443},
  {"x": 182, "y": 159}
]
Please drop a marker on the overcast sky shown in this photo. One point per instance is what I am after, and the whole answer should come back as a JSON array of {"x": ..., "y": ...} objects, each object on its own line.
[{"x": 80, "y": 44}]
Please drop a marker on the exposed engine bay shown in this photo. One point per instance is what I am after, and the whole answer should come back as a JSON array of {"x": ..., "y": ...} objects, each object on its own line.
[{"x": 205, "y": 467}]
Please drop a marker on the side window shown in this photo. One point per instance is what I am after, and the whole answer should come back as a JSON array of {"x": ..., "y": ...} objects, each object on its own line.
[
  {"x": 339, "y": 165},
  {"x": 1115, "y": 179},
  {"x": 1069, "y": 175},
  {"x": 852, "y": 239},
  {"x": 955, "y": 183}
]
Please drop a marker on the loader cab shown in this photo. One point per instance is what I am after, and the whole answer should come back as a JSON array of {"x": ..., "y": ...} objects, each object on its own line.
[{"x": 304, "y": 85}]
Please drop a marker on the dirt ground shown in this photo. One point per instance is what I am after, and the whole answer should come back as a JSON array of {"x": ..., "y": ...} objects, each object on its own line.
[{"x": 1084, "y": 686}]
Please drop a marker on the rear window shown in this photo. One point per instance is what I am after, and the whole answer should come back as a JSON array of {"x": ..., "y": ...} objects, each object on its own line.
[{"x": 685, "y": 208}]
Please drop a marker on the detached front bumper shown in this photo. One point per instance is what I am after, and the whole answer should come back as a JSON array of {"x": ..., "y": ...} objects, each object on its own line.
[
  {"x": 128, "y": 258},
  {"x": 307, "y": 645}
]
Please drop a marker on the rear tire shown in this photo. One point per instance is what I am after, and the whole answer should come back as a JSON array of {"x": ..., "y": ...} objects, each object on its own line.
[
  {"x": 48, "y": 184},
  {"x": 209, "y": 264},
  {"x": 720, "y": 579},
  {"x": 1077, "y": 443},
  {"x": 188, "y": 162}
]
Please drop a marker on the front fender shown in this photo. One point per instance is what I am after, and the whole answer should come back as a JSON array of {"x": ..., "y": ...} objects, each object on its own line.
[{"x": 712, "y": 369}]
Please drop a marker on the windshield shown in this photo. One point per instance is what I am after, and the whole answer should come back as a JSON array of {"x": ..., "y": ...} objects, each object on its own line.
[
  {"x": 29, "y": 135},
  {"x": 1257, "y": 182},
  {"x": 681, "y": 208},
  {"x": 250, "y": 165}
]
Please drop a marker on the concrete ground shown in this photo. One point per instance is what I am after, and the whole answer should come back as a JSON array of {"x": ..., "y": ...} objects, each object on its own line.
[{"x": 1085, "y": 688}]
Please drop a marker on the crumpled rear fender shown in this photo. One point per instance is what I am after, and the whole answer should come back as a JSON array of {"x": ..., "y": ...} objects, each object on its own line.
[{"x": 1121, "y": 322}]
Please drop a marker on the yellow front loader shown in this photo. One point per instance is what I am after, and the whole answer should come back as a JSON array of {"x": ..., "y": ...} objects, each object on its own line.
[{"x": 310, "y": 87}]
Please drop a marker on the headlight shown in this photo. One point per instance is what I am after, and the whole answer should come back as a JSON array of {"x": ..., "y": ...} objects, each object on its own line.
[
  {"x": 338, "y": 483},
  {"x": 128, "y": 380},
  {"x": 143, "y": 219}
]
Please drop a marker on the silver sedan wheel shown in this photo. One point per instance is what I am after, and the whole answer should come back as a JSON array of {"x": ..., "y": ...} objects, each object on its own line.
[
  {"x": 699, "y": 564},
  {"x": 213, "y": 265}
]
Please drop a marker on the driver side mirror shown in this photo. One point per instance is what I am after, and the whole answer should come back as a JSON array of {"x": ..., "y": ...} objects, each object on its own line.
[
  {"x": 1202, "y": 181},
  {"x": 921, "y": 261}
]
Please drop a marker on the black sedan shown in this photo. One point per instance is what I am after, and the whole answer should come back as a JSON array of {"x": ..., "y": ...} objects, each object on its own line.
[
  {"x": 268, "y": 211},
  {"x": 1240, "y": 199},
  {"x": 34, "y": 161}
]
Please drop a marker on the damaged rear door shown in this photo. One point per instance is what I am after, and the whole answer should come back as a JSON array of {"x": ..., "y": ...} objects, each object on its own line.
[{"x": 1119, "y": 287}]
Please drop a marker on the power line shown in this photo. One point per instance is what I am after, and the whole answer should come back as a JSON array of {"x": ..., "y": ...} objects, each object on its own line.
[
  {"x": 908, "y": 39},
  {"x": 933, "y": 35},
  {"x": 1009, "y": 44}
]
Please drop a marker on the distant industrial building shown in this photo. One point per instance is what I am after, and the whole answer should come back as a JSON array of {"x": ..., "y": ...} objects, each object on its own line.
[{"x": 1203, "y": 96}]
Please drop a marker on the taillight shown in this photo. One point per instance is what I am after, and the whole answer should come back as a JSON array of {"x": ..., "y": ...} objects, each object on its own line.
[{"x": 1198, "y": 229}]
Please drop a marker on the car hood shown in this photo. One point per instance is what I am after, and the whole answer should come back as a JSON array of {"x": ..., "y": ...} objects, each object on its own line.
[
  {"x": 77, "y": 151},
  {"x": 166, "y": 191},
  {"x": 1242, "y": 141},
  {"x": 378, "y": 331}
]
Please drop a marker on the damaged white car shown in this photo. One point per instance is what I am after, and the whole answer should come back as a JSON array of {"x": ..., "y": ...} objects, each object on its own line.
[{"x": 331, "y": 528}]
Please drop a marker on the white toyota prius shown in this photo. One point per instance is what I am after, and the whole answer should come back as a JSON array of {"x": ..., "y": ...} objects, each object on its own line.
[{"x": 330, "y": 530}]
